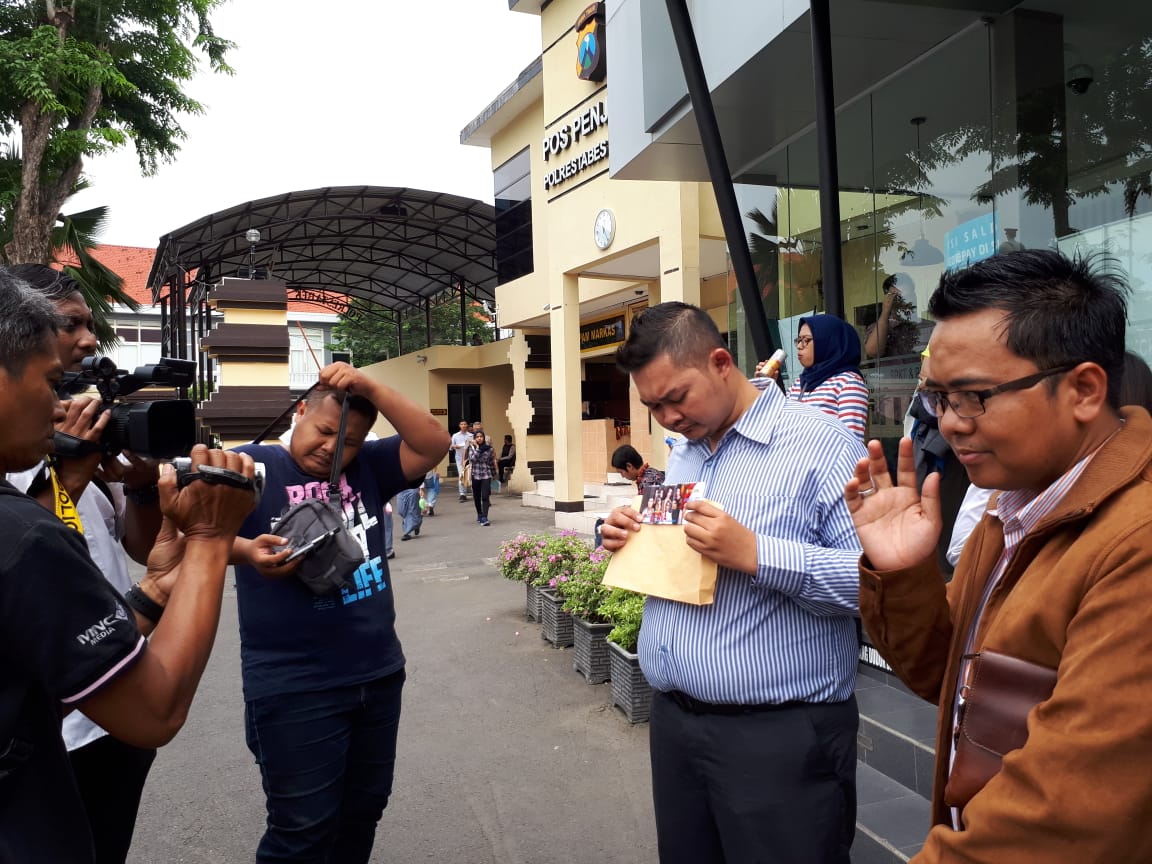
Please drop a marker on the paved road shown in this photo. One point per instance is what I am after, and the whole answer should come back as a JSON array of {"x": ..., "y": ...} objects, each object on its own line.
[{"x": 506, "y": 756}]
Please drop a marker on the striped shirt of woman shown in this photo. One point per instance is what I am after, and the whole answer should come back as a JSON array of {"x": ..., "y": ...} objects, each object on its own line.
[{"x": 844, "y": 396}]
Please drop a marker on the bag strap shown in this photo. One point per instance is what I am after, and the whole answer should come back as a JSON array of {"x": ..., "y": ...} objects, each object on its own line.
[
  {"x": 338, "y": 456},
  {"x": 284, "y": 413}
]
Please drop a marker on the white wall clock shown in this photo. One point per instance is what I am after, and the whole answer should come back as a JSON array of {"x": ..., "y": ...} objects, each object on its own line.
[{"x": 604, "y": 230}]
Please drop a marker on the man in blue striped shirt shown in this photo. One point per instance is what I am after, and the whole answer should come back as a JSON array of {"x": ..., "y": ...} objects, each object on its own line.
[{"x": 753, "y": 729}]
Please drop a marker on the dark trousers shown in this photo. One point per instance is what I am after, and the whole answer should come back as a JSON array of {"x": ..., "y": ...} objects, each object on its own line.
[
  {"x": 769, "y": 787},
  {"x": 110, "y": 775},
  {"x": 482, "y": 496},
  {"x": 326, "y": 761},
  {"x": 505, "y": 466}
]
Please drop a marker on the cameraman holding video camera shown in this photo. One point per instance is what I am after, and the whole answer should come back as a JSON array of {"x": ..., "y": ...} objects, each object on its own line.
[
  {"x": 113, "y": 505},
  {"x": 68, "y": 640}
]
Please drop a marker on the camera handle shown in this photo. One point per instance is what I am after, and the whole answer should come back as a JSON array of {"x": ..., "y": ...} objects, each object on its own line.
[
  {"x": 217, "y": 476},
  {"x": 70, "y": 447}
]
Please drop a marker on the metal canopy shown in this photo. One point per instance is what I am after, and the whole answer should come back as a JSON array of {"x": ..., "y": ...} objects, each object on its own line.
[{"x": 395, "y": 247}]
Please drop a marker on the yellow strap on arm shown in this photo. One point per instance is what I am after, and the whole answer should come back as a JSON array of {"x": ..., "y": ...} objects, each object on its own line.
[{"x": 63, "y": 504}]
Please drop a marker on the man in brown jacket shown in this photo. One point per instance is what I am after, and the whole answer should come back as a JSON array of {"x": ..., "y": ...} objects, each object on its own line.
[{"x": 1025, "y": 375}]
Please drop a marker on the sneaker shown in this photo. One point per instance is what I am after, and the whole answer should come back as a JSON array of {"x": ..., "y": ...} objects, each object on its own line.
[
  {"x": 405, "y": 537},
  {"x": 431, "y": 511},
  {"x": 415, "y": 532},
  {"x": 463, "y": 497},
  {"x": 485, "y": 522},
  {"x": 390, "y": 555}
]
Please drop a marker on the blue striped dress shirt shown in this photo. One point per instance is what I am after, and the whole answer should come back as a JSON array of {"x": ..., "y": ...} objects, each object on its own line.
[{"x": 788, "y": 631}]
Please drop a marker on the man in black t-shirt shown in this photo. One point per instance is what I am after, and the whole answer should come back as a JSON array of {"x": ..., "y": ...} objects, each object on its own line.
[
  {"x": 67, "y": 639},
  {"x": 323, "y": 675}
]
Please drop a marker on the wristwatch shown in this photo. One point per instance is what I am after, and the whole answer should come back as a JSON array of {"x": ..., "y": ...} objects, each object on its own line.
[{"x": 142, "y": 603}]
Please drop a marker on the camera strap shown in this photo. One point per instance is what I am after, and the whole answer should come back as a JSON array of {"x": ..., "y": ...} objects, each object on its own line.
[
  {"x": 62, "y": 504},
  {"x": 279, "y": 417},
  {"x": 337, "y": 457}
]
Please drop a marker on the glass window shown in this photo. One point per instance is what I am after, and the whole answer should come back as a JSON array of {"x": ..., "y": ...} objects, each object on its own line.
[{"x": 513, "y": 199}]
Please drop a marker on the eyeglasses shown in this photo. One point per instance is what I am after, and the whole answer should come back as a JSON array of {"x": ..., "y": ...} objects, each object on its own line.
[
  {"x": 967, "y": 404},
  {"x": 802, "y": 341}
]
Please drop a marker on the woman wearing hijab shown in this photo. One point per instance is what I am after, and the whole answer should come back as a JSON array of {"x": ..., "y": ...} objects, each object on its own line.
[{"x": 829, "y": 350}]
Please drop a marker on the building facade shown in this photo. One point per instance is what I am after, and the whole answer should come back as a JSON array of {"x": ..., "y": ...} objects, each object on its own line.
[
  {"x": 964, "y": 127},
  {"x": 579, "y": 253}
]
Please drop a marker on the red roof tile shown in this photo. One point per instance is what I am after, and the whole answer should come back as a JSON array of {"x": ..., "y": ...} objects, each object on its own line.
[{"x": 132, "y": 264}]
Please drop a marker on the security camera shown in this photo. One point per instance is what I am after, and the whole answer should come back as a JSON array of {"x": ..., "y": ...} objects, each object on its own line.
[{"x": 1080, "y": 78}]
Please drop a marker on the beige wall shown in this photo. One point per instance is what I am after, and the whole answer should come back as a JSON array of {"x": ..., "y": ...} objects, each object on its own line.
[
  {"x": 562, "y": 89},
  {"x": 668, "y": 219},
  {"x": 243, "y": 374},
  {"x": 426, "y": 383}
]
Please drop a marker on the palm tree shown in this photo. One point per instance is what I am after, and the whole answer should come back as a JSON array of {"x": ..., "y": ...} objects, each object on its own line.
[{"x": 73, "y": 239}]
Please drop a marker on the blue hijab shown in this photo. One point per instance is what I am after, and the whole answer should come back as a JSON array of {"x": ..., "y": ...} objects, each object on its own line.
[{"x": 835, "y": 347}]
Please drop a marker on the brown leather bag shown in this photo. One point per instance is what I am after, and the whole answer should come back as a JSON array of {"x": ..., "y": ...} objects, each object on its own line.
[{"x": 1001, "y": 692}]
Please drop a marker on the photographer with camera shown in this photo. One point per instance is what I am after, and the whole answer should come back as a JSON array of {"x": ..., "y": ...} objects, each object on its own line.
[
  {"x": 111, "y": 503},
  {"x": 68, "y": 640},
  {"x": 323, "y": 673}
]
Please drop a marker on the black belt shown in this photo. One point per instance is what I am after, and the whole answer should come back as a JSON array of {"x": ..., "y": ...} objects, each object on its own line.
[{"x": 695, "y": 706}]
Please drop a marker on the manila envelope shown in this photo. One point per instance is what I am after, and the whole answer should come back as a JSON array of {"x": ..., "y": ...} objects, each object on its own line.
[{"x": 657, "y": 560}]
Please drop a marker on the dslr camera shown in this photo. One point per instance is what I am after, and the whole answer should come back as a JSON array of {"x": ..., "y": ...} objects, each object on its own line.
[{"x": 158, "y": 430}]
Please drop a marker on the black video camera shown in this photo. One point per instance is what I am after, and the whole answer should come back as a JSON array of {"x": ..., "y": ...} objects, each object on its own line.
[{"x": 159, "y": 430}]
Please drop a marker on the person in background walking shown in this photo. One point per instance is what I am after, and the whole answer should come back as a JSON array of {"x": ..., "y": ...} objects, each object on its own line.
[
  {"x": 482, "y": 463},
  {"x": 432, "y": 490},
  {"x": 461, "y": 441},
  {"x": 411, "y": 516}
]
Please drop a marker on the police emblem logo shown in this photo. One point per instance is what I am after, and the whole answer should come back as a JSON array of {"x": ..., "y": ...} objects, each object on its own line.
[{"x": 591, "y": 59}]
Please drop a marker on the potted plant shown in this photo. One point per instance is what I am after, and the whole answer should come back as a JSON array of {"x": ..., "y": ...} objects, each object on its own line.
[
  {"x": 631, "y": 691},
  {"x": 519, "y": 560},
  {"x": 583, "y": 593},
  {"x": 561, "y": 556}
]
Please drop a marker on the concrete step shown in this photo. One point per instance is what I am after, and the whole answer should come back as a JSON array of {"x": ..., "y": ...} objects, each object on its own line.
[
  {"x": 895, "y": 749},
  {"x": 897, "y": 731},
  {"x": 891, "y": 819}
]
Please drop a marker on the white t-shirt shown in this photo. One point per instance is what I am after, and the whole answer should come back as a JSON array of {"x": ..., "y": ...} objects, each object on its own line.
[
  {"x": 461, "y": 442},
  {"x": 103, "y": 521}
]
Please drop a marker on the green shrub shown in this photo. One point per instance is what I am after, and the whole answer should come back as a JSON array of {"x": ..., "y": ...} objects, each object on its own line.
[
  {"x": 624, "y": 609},
  {"x": 542, "y": 559},
  {"x": 556, "y": 560},
  {"x": 582, "y": 591},
  {"x": 514, "y": 556}
]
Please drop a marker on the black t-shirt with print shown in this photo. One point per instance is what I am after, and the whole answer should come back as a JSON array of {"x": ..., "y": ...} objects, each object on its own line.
[
  {"x": 293, "y": 641},
  {"x": 64, "y": 632}
]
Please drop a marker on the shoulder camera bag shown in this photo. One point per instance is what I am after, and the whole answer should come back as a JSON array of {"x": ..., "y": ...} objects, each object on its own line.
[
  {"x": 1002, "y": 692},
  {"x": 333, "y": 553}
]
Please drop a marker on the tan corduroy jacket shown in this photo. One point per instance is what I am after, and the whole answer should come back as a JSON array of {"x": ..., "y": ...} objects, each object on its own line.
[{"x": 1076, "y": 597}]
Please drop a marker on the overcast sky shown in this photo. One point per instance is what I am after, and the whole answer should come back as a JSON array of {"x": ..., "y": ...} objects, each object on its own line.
[{"x": 326, "y": 94}]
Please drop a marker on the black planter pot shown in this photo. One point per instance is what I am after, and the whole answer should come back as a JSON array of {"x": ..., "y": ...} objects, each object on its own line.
[
  {"x": 590, "y": 645},
  {"x": 532, "y": 602},
  {"x": 557, "y": 623},
  {"x": 631, "y": 691}
]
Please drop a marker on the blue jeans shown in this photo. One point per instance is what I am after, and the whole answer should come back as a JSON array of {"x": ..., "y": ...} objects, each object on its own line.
[
  {"x": 387, "y": 517},
  {"x": 408, "y": 503},
  {"x": 326, "y": 761}
]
